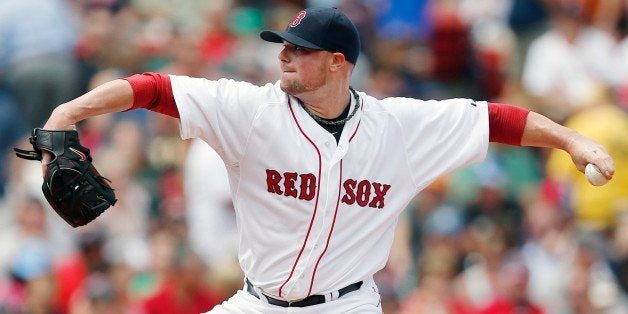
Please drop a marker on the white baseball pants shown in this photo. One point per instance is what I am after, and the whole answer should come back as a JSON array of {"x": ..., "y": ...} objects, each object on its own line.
[{"x": 364, "y": 300}]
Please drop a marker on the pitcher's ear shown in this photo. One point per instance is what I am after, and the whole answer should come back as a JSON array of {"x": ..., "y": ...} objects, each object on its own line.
[{"x": 338, "y": 60}]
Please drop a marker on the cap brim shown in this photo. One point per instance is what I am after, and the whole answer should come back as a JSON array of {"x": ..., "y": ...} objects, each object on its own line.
[{"x": 279, "y": 37}]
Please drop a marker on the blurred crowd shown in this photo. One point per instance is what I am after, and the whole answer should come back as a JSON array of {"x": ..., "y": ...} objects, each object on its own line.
[{"x": 522, "y": 232}]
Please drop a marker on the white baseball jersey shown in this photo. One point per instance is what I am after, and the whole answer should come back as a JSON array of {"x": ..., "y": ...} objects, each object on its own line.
[{"x": 315, "y": 216}]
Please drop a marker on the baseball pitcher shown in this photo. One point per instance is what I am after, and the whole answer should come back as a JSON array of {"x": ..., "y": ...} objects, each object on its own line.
[{"x": 319, "y": 172}]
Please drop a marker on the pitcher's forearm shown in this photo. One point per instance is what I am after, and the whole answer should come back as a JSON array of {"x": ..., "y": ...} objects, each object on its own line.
[
  {"x": 540, "y": 131},
  {"x": 110, "y": 97}
]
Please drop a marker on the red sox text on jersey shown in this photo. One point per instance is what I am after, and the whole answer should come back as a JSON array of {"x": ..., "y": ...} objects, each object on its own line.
[
  {"x": 298, "y": 234},
  {"x": 303, "y": 186}
]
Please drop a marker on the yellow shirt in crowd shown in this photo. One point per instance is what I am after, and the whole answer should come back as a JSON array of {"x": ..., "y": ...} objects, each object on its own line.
[{"x": 594, "y": 206}]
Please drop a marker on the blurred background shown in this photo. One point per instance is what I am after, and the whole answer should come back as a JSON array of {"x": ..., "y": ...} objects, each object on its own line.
[{"x": 523, "y": 232}]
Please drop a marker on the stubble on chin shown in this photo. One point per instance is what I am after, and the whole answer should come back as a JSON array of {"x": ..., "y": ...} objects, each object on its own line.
[
  {"x": 294, "y": 87},
  {"x": 291, "y": 87}
]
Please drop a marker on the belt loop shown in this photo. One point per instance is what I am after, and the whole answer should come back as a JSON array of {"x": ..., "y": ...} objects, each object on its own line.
[
  {"x": 257, "y": 292},
  {"x": 266, "y": 298},
  {"x": 251, "y": 289},
  {"x": 310, "y": 300}
]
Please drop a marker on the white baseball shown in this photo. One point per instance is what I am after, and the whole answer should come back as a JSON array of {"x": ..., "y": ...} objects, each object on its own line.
[{"x": 594, "y": 175}]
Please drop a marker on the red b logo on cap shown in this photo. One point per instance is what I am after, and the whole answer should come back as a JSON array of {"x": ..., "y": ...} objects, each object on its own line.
[{"x": 297, "y": 19}]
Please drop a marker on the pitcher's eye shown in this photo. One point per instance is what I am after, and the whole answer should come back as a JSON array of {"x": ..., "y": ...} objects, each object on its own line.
[
  {"x": 303, "y": 49},
  {"x": 295, "y": 48}
]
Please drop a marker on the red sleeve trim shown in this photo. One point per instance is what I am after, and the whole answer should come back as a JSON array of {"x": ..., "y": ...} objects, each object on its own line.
[
  {"x": 153, "y": 91},
  {"x": 506, "y": 123}
]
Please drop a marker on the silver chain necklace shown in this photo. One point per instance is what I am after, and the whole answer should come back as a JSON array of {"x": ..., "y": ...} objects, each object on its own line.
[{"x": 339, "y": 122}]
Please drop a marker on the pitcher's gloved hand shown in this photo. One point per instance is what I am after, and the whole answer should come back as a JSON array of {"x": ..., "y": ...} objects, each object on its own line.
[{"x": 72, "y": 186}]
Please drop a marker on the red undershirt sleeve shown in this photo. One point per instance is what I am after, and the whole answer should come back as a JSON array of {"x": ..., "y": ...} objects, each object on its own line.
[
  {"x": 506, "y": 123},
  {"x": 153, "y": 91}
]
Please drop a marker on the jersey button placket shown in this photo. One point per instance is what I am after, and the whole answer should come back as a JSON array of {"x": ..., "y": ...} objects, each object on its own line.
[
  {"x": 328, "y": 195},
  {"x": 321, "y": 224},
  {"x": 332, "y": 185}
]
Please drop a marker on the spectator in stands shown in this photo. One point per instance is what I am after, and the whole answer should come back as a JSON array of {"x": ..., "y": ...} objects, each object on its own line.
[
  {"x": 30, "y": 223},
  {"x": 183, "y": 290},
  {"x": 511, "y": 295},
  {"x": 37, "y": 40},
  {"x": 71, "y": 271},
  {"x": 31, "y": 288},
  {"x": 567, "y": 67}
]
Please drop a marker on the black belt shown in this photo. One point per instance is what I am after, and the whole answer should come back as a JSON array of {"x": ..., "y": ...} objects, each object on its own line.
[{"x": 311, "y": 300}]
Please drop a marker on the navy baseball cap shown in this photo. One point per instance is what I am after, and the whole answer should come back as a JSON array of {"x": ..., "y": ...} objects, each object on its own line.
[{"x": 320, "y": 29}]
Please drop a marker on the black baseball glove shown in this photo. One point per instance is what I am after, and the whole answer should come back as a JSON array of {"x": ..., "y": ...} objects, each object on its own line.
[{"x": 72, "y": 186}]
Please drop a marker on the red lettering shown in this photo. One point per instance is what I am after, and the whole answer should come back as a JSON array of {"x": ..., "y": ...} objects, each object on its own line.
[
  {"x": 354, "y": 191},
  {"x": 380, "y": 192},
  {"x": 288, "y": 183},
  {"x": 272, "y": 181},
  {"x": 349, "y": 197},
  {"x": 364, "y": 193},
  {"x": 308, "y": 187},
  {"x": 297, "y": 19}
]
